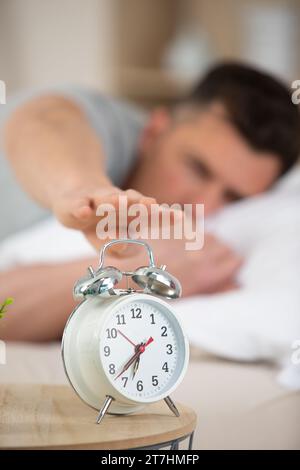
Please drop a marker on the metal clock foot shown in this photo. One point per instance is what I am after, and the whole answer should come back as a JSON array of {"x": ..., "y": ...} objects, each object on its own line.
[
  {"x": 104, "y": 408},
  {"x": 172, "y": 406}
]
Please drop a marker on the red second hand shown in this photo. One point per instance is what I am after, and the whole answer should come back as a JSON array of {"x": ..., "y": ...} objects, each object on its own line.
[{"x": 143, "y": 346}]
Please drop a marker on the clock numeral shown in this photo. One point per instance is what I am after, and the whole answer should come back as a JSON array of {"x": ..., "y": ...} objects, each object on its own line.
[
  {"x": 165, "y": 367},
  {"x": 139, "y": 385},
  {"x": 152, "y": 319},
  {"x": 154, "y": 380},
  {"x": 106, "y": 351},
  {"x": 169, "y": 349},
  {"x": 112, "y": 369},
  {"x": 136, "y": 312},
  {"x": 111, "y": 333},
  {"x": 121, "y": 319},
  {"x": 164, "y": 330},
  {"x": 125, "y": 380}
]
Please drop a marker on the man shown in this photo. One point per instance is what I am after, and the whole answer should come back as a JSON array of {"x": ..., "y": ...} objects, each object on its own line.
[{"x": 232, "y": 138}]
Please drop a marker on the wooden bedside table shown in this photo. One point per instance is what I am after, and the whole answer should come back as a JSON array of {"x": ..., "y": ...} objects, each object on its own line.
[{"x": 53, "y": 417}]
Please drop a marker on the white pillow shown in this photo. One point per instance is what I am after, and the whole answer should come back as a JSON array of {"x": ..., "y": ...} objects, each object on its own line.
[
  {"x": 46, "y": 242},
  {"x": 261, "y": 320}
]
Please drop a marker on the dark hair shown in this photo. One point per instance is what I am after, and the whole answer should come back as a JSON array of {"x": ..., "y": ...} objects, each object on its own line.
[{"x": 258, "y": 105}]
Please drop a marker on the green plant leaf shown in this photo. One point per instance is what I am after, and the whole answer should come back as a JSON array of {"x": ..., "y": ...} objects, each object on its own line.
[{"x": 6, "y": 302}]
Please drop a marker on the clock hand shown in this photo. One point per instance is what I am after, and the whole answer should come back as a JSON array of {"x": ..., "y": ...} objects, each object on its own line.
[
  {"x": 124, "y": 336},
  {"x": 128, "y": 364},
  {"x": 137, "y": 361},
  {"x": 136, "y": 366},
  {"x": 140, "y": 348},
  {"x": 148, "y": 342}
]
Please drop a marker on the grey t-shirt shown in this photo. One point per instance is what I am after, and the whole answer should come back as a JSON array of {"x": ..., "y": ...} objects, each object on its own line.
[{"x": 117, "y": 124}]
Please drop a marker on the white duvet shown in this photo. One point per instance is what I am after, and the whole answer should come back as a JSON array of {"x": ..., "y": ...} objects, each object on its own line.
[{"x": 258, "y": 321}]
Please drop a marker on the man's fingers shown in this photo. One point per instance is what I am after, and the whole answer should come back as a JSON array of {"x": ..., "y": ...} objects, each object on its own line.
[
  {"x": 73, "y": 212},
  {"x": 124, "y": 213},
  {"x": 113, "y": 197},
  {"x": 82, "y": 210}
]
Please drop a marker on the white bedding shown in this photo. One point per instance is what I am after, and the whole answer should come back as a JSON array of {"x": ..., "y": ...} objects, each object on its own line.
[{"x": 261, "y": 319}]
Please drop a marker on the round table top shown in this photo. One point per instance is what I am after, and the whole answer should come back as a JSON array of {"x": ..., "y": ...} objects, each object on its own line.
[{"x": 53, "y": 417}]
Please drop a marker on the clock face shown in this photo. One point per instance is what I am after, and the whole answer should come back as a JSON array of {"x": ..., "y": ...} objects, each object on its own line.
[{"x": 143, "y": 349}]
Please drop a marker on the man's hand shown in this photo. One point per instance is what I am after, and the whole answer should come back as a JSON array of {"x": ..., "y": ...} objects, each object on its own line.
[
  {"x": 211, "y": 269},
  {"x": 76, "y": 208}
]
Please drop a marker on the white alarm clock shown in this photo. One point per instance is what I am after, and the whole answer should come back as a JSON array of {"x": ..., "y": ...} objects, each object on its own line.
[{"x": 125, "y": 348}]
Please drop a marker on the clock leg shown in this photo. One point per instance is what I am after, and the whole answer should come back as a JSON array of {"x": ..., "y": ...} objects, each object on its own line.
[
  {"x": 104, "y": 408},
  {"x": 172, "y": 406}
]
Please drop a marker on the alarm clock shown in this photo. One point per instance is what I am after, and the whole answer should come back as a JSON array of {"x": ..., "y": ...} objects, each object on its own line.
[{"x": 125, "y": 348}]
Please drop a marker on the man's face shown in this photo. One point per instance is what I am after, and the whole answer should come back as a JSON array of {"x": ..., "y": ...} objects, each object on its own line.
[{"x": 201, "y": 158}]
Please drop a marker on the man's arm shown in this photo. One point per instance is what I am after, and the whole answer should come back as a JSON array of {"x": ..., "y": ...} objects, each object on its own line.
[
  {"x": 52, "y": 148},
  {"x": 59, "y": 160}
]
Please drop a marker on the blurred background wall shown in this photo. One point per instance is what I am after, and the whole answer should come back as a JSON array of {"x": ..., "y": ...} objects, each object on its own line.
[{"x": 146, "y": 50}]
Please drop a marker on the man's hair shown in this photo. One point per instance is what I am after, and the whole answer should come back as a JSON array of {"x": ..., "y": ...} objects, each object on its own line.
[{"x": 258, "y": 105}]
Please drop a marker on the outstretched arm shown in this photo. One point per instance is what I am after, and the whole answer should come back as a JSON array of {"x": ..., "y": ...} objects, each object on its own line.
[
  {"x": 59, "y": 160},
  {"x": 53, "y": 149}
]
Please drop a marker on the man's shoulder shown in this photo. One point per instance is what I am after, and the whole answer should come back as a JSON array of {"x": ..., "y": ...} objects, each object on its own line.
[{"x": 91, "y": 99}]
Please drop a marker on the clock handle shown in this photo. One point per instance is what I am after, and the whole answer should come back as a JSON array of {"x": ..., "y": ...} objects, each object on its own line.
[{"x": 126, "y": 240}]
